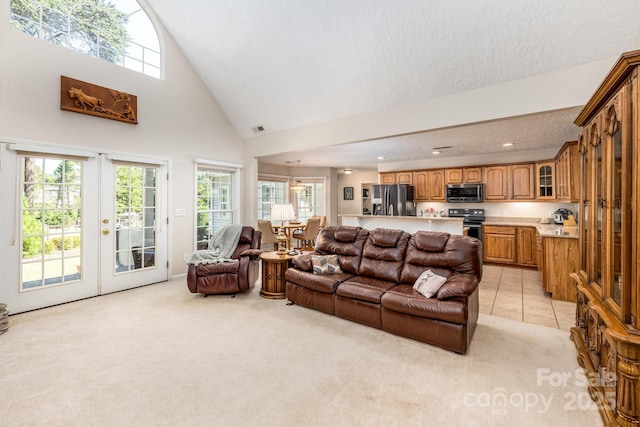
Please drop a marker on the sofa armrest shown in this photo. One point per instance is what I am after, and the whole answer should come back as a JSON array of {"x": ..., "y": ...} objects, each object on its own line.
[
  {"x": 253, "y": 253},
  {"x": 458, "y": 285},
  {"x": 303, "y": 262}
]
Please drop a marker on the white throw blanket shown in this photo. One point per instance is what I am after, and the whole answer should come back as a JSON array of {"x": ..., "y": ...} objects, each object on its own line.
[{"x": 221, "y": 246}]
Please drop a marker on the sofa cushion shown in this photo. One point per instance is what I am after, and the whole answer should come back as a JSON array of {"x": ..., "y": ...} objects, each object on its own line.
[
  {"x": 325, "y": 264},
  {"x": 346, "y": 234},
  {"x": 303, "y": 262},
  {"x": 405, "y": 299},
  {"x": 429, "y": 283},
  {"x": 431, "y": 241},
  {"x": 364, "y": 288},
  {"x": 461, "y": 254},
  {"x": 384, "y": 262},
  {"x": 346, "y": 242},
  {"x": 385, "y": 238},
  {"x": 325, "y": 283}
]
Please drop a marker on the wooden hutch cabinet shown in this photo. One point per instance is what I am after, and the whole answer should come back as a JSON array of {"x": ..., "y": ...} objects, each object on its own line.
[{"x": 607, "y": 331}]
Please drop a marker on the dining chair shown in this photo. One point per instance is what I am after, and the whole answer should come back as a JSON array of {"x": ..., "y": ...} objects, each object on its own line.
[
  {"x": 269, "y": 236},
  {"x": 307, "y": 236}
]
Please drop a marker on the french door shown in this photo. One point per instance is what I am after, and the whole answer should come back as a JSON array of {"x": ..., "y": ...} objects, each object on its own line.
[{"x": 78, "y": 224}]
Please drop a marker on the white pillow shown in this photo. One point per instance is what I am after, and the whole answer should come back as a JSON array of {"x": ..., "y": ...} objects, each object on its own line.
[{"x": 428, "y": 283}]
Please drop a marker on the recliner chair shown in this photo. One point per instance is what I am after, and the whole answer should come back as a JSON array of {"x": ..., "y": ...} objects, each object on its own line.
[{"x": 229, "y": 277}]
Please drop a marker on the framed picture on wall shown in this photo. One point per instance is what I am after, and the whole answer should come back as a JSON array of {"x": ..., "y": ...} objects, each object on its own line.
[{"x": 348, "y": 193}]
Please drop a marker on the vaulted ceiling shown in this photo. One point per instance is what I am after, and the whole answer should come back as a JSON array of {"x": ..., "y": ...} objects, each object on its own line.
[{"x": 287, "y": 64}]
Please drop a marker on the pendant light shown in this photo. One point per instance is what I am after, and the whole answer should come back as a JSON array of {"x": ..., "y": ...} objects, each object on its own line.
[{"x": 298, "y": 186}]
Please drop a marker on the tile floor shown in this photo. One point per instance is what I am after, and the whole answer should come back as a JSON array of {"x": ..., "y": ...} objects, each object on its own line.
[{"x": 516, "y": 293}]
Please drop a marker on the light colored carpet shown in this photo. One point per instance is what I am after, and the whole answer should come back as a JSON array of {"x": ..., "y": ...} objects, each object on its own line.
[{"x": 159, "y": 355}]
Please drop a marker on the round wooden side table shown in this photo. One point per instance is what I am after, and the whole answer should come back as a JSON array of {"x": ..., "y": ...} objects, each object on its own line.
[{"x": 274, "y": 266}]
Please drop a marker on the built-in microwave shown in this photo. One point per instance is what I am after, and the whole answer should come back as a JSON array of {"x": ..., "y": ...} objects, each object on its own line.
[{"x": 465, "y": 193}]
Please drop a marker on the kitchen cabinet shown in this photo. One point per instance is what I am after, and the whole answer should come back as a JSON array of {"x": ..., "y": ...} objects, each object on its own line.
[
  {"x": 472, "y": 175},
  {"x": 540, "y": 258},
  {"x": 520, "y": 182},
  {"x": 404, "y": 177},
  {"x": 429, "y": 186},
  {"x": 567, "y": 173},
  {"x": 496, "y": 182},
  {"x": 526, "y": 246},
  {"x": 421, "y": 186},
  {"x": 607, "y": 330},
  {"x": 509, "y": 182},
  {"x": 499, "y": 243},
  {"x": 560, "y": 257},
  {"x": 436, "y": 185},
  {"x": 509, "y": 244},
  {"x": 387, "y": 178},
  {"x": 545, "y": 180}
]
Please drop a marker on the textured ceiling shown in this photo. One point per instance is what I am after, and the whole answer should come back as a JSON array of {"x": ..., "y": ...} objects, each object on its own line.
[{"x": 286, "y": 64}]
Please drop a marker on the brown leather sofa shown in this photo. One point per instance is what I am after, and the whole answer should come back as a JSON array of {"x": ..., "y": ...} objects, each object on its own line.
[
  {"x": 379, "y": 268},
  {"x": 229, "y": 277}
]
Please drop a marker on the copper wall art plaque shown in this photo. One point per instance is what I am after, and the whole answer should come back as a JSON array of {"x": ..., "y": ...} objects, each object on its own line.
[{"x": 87, "y": 98}]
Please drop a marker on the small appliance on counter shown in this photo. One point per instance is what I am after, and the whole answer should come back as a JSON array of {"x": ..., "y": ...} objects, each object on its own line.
[{"x": 561, "y": 215}]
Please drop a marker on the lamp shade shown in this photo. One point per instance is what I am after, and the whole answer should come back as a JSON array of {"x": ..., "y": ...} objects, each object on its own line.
[{"x": 283, "y": 212}]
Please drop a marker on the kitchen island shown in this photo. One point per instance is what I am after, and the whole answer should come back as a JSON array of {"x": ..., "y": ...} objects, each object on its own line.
[{"x": 410, "y": 224}]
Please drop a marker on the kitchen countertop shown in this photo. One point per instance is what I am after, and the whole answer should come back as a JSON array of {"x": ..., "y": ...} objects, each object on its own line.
[
  {"x": 437, "y": 218},
  {"x": 545, "y": 230}
]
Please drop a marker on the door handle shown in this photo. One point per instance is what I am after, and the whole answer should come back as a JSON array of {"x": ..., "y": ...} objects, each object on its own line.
[{"x": 105, "y": 231}]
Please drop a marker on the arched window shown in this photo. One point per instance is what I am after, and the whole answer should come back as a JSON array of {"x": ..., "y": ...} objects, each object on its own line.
[{"x": 118, "y": 31}]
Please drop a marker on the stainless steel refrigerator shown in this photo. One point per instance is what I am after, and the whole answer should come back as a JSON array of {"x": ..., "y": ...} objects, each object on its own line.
[{"x": 393, "y": 200}]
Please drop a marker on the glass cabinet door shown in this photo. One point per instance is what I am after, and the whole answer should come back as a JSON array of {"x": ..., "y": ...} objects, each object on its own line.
[
  {"x": 600, "y": 192},
  {"x": 585, "y": 188},
  {"x": 616, "y": 208}
]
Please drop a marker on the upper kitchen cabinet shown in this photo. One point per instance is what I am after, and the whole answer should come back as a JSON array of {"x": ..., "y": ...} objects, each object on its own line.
[
  {"x": 463, "y": 175},
  {"x": 496, "y": 182},
  {"x": 514, "y": 182},
  {"x": 521, "y": 182},
  {"x": 567, "y": 173},
  {"x": 545, "y": 180},
  {"x": 405, "y": 177},
  {"x": 429, "y": 185}
]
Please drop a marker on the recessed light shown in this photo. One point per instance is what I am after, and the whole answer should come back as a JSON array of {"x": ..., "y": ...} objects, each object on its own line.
[
  {"x": 348, "y": 171},
  {"x": 507, "y": 144},
  {"x": 380, "y": 157},
  {"x": 435, "y": 152}
]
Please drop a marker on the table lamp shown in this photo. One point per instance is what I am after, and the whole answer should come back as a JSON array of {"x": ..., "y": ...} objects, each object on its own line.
[{"x": 282, "y": 213}]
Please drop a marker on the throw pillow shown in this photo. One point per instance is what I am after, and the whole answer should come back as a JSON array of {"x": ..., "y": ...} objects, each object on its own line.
[
  {"x": 429, "y": 283},
  {"x": 325, "y": 264}
]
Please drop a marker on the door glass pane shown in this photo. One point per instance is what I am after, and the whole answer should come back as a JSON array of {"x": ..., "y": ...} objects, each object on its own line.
[
  {"x": 51, "y": 216},
  {"x": 135, "y": 217},
  {"x": 617, "y": 213}
]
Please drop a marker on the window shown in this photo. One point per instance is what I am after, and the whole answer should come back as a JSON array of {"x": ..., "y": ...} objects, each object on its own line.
[
  {"x": 117, "y": 31},
  {"x": 214, "y": 206},
  {"x": 271, "y": 191},
  {"x": 310, "y": 202}
]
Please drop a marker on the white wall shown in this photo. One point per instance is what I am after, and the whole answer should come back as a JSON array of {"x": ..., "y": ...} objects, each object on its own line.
[
  {"x": 178, "y": 117},
  {"x": 355, "y": 180}
]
